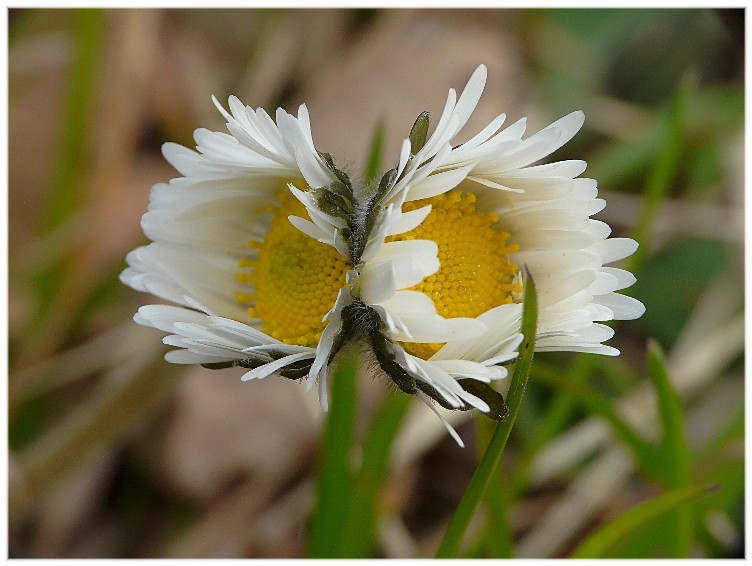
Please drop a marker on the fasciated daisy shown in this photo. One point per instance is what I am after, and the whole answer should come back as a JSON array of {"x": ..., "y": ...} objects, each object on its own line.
[{"x": 277, "y": 259}]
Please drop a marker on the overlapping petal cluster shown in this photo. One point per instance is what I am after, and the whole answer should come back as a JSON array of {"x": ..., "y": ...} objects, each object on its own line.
[{"x": 216, "y": 216}]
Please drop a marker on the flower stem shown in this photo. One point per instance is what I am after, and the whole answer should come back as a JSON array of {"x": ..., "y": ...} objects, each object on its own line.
[{"x": 479, "y": 482}]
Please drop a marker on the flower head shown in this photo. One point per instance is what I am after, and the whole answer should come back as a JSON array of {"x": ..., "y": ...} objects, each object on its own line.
[{"x": 277, "y": 258}]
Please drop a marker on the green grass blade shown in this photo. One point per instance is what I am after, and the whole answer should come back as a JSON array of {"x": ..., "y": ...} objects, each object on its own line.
[
  {"x": 479, "y": 482},
  {"x": 335, "y": 477},
  {"x": 663, "y": 173},
  {"x": 362, "y": 518},
  {"x": 64, "y": 194},
  {"x": 607, "y": 537},
  {"x": 674, "y": 453}
]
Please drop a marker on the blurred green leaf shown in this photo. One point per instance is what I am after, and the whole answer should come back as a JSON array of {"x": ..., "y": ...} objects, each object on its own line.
[
  {"x": 704, "y": 169},
  {"x": 717, "y": 111},
  {"x": 733, "y": 432},
  {"x": 603, "y": 30},
  {"x": 602, "y": 541},
  {"x": 714, "y": 119},
  {"x": 670, "y": 283},
  {"x": 65, "y": 194},
  {"x": 32, "y": 417},
  {"x": 623, "y": 163},
  {"x": 730, "y": 499},
  {"x": 673, "y": 454},
  {"x": 560, "y": 411}
]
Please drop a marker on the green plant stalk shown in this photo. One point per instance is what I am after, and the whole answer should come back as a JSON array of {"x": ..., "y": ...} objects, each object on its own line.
[
  {"x": 362, "y": 516},
  {"x": 479, "y": 482},
  {"x": 607, "y": 537},
  {"x": 674, "y": 452},
  {"x": 335, "y": 477}
]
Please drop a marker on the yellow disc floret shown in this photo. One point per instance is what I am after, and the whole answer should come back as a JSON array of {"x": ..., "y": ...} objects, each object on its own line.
[
  {"x": 475, "y": 274},
  {"x": 295, "y": 278}
]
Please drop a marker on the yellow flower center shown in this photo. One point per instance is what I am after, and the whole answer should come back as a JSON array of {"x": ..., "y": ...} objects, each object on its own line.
[
  {"x": 475, "y": 274},
  {"x": 295, "y": 278}
]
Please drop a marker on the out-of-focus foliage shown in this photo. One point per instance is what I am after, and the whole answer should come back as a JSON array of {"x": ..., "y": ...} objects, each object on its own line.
[{"x": 115, "y": 453}]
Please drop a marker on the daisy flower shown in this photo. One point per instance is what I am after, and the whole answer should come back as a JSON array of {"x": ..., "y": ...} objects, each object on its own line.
[{"x": 275, "y": 259}]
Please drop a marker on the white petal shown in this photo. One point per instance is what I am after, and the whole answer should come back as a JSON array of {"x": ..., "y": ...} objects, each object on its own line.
[
  {"x": 623, "y": 307},
  {"x": 432, "y": 329},
  {"x": 404, "y": 157},
  {"x": 553, "y": 289},
  {"x": 614, "y": 249},
  {"x": 471, "y": 95},
  {"x": 468, "y": 369},
  {"x": 378, "y": 283},
  {"x": 313, "y": 171},
  {"x": 181, "y": 158},
  {"x": 310, "y": 229},
  {"x": 162, "y": 317},
  {"x": 499, "y": 341},
  {"x": 408, "y": 221},
  {"x": 411, "y": 261},
  {"x": 410, "y": 303},
  {"x": 465, "y": 151},
  {"x": 493, "y": 184},
  {"x": 268, "y": 369},
  {"x": 623, "y": 277}
]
